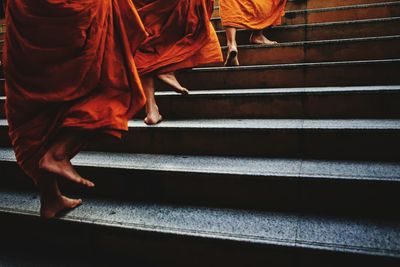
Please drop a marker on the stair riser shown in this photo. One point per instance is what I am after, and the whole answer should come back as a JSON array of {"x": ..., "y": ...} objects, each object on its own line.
[
  {"x": 279, "y": 143},
  {"x": 326, "y": 32},
  {"x": 151, "y": 249},
  {"x": 320, "y": 144},
  {"x": 293, "y": 18},
  {"x": 350, "y": 105},
  {"x": 145, "y": 248},
  {"x": 319, "y": 52},
  {"x": 322, "y": 106},
  {"x": 329, "y": 105},
  {"x": 379, "y": 73},
  {"x": 324, "y": 196}
]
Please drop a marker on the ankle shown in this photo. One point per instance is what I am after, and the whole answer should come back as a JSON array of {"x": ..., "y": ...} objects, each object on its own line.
[
  {"x": 49, "y": 198},
  {"x": 232, "y": 45},
  {"x": 51, "y": 156},
  {"x": 152, "y": 109}
]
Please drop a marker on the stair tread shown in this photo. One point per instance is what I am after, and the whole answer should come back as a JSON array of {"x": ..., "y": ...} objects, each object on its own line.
[
  {"x": 365, "y": 236},
  {"x": 244, "y": 166}
]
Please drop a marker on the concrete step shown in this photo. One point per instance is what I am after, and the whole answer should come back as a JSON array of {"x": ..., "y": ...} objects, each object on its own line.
[
  {"x": 385, "y": 47},
  {"x": 297, "y": 185},
  {"x": 343, "y": 73},
  {"x": 318, "y": 139},
  {"x": 324, "y": 31},
  {"x": 338, "y": 139},
  {"x": 334, "y": 14},
  {"x": 170, "y": 235},
  {"x": 323, "y": 102},
  {"x": 319, "y": 102}
]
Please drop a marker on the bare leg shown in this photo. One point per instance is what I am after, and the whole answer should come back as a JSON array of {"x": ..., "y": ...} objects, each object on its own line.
[
  {"x": 232, "y": 56},
  {"x": 52, "y": 202},
  {"x": 258, "y": 37},
  {"x": 170, "y": 79},
  {"x": 57, "y": 159},
  {"x": 152, "y": 114}
]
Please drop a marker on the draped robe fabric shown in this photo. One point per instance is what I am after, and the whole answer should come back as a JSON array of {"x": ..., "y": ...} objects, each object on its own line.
[
  {"x": 180, "y": 35},
  {"x": 69, "y": 64},
  {"x": 252, "y": 14}
]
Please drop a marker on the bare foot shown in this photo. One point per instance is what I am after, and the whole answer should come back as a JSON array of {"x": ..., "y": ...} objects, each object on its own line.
[
  {"x": 170, "y": 79},
  {"x": 232, "y": 57},
  {"x": 63, "y": 168},
  {"x": 50, "y": 208},
  {"x": 153, "y": 117},
  {"x": 261, "y": 39}
]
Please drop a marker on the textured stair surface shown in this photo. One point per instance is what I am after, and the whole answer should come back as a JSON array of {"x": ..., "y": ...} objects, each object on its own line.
[
  {"x": 290, "y": 231},
  {"x": 291, "y": 159},
  {"x": 256, "y": 183}
]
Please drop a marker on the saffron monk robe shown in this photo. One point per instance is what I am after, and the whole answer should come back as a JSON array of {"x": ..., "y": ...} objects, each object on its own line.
[
  {"x": 181, "y": 36},
  {"x": 254, "y": 15},
  {"x": 70, "y": 75}
]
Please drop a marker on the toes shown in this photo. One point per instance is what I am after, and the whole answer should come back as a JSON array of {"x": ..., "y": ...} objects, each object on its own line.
[
  {"x": 86, "y": 182},
  {"x": 73, "y": 203},
  {"x": 184, "y": 91},
  {"x": 77, "y": 202}
]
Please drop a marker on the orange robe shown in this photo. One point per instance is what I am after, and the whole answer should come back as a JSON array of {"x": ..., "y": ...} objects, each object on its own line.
[
  {"x": 180, "y": 35},
  {"x": 69, "y": 64},
  {"x": 251, "y": 14}
]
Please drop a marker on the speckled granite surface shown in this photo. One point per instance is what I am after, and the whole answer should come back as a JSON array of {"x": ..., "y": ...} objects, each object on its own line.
[
  {"x": 304, "y": 168},
  {"x": 289, "y": 229}
]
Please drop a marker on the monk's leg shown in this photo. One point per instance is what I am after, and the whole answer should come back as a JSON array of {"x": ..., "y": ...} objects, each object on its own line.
[
  {"x": 232, "y": 56},
  {"x": 258, "y": 37},
  {"x": 170, "y": 79},
  {"x": 52, "y": 202},
  {"x": 57, "y": 159},
  {"x": 152, "y": 114}
]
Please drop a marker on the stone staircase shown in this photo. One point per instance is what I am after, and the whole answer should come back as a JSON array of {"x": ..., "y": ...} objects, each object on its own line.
[{"x": 291, "y": 159}]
